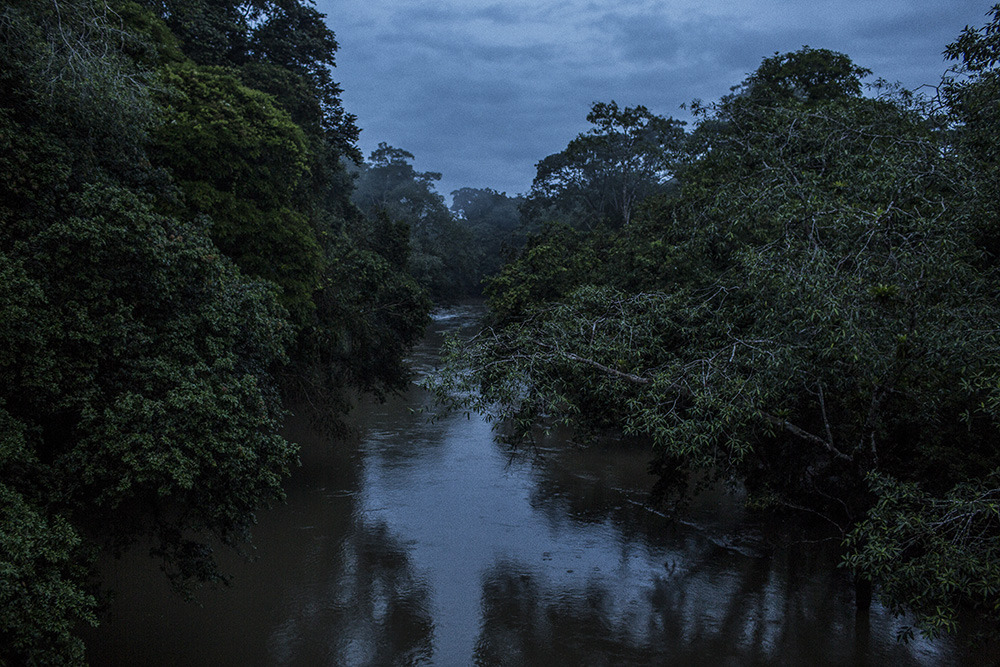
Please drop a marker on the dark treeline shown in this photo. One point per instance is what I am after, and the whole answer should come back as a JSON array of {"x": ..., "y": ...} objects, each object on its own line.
[{"x": 798, "y": 295}]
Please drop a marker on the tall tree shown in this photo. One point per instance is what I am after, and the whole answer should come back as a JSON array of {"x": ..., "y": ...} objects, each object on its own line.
[
  {"x": 288, "y": 36},
  {"x": 604, "y": 173},
  {"x": 264, "y": 102},
  {"x": 136, "y": 397},
  {"x": 936, "y": 550},
  {"x": 972, "y": 95},
  {"x": 249, "y": 187}
]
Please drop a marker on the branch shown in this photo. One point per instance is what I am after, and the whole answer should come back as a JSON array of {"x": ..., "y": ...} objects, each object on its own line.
[
  {"x": 823, "y": 516},
  {"x": 634, "y": 379},
  {"x": 805, "y": 435},
  {"x": 782, "y": 423},
  {"x": 826, "y": 421}
]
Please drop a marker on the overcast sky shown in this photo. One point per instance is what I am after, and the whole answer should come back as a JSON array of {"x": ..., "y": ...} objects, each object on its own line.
[{"x": 481, "y": 90}]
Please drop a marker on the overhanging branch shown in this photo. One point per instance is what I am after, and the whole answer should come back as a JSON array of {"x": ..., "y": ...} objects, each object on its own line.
[
  {"x": 805, "y": 435},
  {"x": 777, "y": 421},
  {"x": 631, "y": 377}
]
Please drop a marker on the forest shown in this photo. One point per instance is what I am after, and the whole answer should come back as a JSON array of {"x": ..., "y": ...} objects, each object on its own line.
[{"x": 797, "y": 295}]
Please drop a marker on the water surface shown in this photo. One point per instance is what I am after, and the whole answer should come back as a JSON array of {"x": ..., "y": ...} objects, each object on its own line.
[{"x": 425, "y": 542}]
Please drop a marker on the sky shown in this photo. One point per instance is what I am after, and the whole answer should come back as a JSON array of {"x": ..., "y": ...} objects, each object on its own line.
[{"x": 481, "y": 90}]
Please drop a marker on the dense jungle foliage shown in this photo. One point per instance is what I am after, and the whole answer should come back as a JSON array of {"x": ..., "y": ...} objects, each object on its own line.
[
  {"x": 178, "y": 249},
  {"x": 799, "y": 295}
]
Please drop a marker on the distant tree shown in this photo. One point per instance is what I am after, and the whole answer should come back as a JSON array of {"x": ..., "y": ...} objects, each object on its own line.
[
  {"x": 605, "y": 172},
  {"x": 442, "y": 258},
  {"x": 484, "y": 207},
  {"x": 390, "y": 183},
  {"x": 494, "y": 222}
]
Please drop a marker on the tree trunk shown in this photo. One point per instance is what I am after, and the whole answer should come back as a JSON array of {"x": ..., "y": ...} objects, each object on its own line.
[{"x": 862, "y": 595}]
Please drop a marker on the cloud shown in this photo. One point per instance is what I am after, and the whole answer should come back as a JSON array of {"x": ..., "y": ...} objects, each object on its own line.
[{"x": 481, "y": 90}]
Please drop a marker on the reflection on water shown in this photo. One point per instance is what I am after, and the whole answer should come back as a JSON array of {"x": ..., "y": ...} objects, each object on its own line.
[
  {"x": 424, "y": 542},
  {"x": 328, "y": 587}
]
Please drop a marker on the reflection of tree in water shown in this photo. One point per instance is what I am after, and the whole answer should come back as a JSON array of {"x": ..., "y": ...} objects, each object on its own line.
[
  {"x": 712, "y": 607},
  {"x": 329, "y": 588},
  {"x": 524, "y": 623},
  {"x": 713, "y": 586},
  {"x": 610, "y": 485},
  {"x": 370, "y": 609},
  {"x": 591, "y": 483}
]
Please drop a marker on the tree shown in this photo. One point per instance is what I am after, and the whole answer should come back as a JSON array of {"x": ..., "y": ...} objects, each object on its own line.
[
  {"x": 390, "y": 183},
  {"x": 137, "y": 395},
  {"x": 288, "y": 37},
  {"x": 809, "y": 314},
  {"x": 493, "y": 220},
  {"x": 936, "y": 556},
  {"x": 604, "y": 173},
  {"x": 971, "y": 95},
  {"x": 250, "y": 187},
  {"x": 552, "y": 264},
  {"x": 370, "y": 311},
  {"x": 485, "y": 207},
  {"x": 933, "y": 549},
  {"x": 807, "y": 77},
  {"x": 441, "y": 260}
]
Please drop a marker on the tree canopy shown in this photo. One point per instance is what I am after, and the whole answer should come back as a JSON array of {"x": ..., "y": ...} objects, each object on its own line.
[
  {"x": 494, "y": 222},
  {"x": 604, "y": 173},
  {"x": 178, "y": 249},
  {"x": 808, "y": 315},
  {"x": 443, "y": 258}
]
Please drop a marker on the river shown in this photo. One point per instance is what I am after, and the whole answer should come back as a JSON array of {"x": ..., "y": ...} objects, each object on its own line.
[{"x": 422, "y": 541}]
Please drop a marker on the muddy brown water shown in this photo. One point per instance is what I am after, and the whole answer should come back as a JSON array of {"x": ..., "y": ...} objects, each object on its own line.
[{"x": 424, "y": 542}]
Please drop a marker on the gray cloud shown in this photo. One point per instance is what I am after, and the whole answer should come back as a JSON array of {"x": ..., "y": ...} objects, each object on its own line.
[{"x": 482, "y": 90}]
